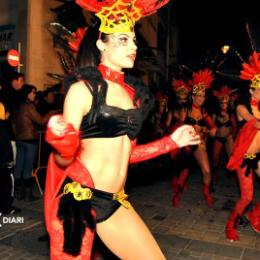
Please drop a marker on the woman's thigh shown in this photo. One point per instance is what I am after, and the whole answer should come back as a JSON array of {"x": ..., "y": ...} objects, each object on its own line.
[
  {"x": 255, "y": 145},
  {"x": 202, "y": 159},
  {"x": 126, "y": 235}
]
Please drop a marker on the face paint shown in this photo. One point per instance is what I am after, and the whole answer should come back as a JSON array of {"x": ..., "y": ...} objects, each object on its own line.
[{"x": 122, "y": 40}]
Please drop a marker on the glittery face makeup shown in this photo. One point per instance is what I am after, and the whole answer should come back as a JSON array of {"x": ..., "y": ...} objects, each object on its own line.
[
  {"x": 120, "y": 50},
  {"x": 122, "y": 40}
]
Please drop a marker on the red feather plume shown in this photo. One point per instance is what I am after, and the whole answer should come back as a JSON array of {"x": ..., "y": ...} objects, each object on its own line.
[
  {"x": 224, "y": 91},
  {"x": 204, "y": 77},
  {"x": 147, "y": 7},
  {"x": 251, "y": 68}
]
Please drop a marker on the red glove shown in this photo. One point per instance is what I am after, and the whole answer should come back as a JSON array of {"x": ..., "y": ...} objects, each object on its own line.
[
  {"x": 151, "y": 150},
  {"x": 183, "y": 136},
  {"x": 62, "y": 136}
]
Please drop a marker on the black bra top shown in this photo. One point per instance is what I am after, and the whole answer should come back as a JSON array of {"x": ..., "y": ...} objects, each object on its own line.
[
  {"x": 220, "y": 124},
  {"x": 110, "y": 121},
  {"x": 191, "y": 121}
]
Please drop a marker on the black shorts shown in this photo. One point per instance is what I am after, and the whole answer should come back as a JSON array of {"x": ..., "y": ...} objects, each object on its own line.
[{"x": 76, "y": 211}]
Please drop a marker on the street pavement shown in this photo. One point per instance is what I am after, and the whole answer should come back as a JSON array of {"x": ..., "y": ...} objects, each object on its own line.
[{"x": 192, "y": 231}]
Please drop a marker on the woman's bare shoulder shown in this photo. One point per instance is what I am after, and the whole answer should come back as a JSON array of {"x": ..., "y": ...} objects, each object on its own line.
[
  {"x": 79, "y": 96},
  {"x": 79, "y": 87}
]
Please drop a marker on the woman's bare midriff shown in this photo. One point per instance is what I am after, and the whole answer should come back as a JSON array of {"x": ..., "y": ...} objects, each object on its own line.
[
  {"x": 107, "y": 161},
  {"x": 223, "y": 131},
  {"x": 255, "y": 145}
]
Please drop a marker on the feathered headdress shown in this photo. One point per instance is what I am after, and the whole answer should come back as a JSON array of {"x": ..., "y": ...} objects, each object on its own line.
[
  {"x": 120, "y": 15},
  {"x": 251, "y": 70},
  {"x": 180, "y": 86},
  {"x": 78, "y": 37},
  {"x": 223, "y": 94},
  {"x": 161, "y": 98},
  {"x": 201, "y": 80}
]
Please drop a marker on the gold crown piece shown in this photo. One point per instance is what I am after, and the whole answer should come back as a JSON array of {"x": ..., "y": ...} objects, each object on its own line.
[
  {"x": 120, "y": 17},
  {"x": 198, "y": 87},
  {"x": 255, "y": 81}
]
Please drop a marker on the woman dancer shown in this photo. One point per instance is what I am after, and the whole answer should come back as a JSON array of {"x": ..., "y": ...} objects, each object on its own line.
[
  {"x": 245, "y": 156},
  {"x": 95, "y": 139},
  {"x": 177, "y": 116},
  {"x": 204, "y": 126},
  {"x": 226, "y": 127}
]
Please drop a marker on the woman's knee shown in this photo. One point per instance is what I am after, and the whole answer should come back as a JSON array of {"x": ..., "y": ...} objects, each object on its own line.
[
  {"x": 247, "y": 197},
  {"x": 206, "y": 171}
]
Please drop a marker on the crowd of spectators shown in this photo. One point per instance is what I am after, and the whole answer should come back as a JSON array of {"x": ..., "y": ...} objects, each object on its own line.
[{"x": 24, "y": 112}]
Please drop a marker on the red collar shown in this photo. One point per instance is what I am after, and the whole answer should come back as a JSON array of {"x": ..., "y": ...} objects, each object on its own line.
[
  {"x": 116, "y": 77},
  {"x": 254, "y": 102},
  {"x": 111, "y": 75},
  {"x": 195, "y": 106}
]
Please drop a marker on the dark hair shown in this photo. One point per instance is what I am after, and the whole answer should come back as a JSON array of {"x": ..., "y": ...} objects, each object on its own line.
[
  {"x": 244, "y": 99},
  {"x": 27, "y": 88},
  {"x": 16, "y": 75},
  {"x": 89, "y": 54},
  {"x": 47, "y": 91}
]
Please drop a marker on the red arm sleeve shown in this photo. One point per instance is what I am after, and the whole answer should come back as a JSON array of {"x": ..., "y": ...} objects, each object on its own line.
[{"x": 151, "y": 150}]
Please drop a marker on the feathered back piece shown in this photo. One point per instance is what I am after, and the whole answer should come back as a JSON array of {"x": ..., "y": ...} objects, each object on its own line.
[
  {"x": 180, "y": 86},
  {"x": 120, "y": 15},
  {"x": 251, "y": 70},
  {"x": 223, "y": 94},
  {"x": 78, "y": 37},
  {"x": 201, "y": 80}
]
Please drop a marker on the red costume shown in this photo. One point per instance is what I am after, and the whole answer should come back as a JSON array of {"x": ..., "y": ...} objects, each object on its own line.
[
  {"x": 201, "y": 121},
  {"x": 243, "y": 162},
  {"x": 66, "y": 141},
  {"x": 226, "y": 127}
]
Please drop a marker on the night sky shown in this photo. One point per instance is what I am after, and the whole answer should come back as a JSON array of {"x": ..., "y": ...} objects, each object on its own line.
[{"x": 207, "y": 25}]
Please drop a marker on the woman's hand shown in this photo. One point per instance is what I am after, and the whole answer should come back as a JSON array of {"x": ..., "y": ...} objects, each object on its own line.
[
  {"x": 185, "y": 135},
  {"x": 62, "y": 136}
]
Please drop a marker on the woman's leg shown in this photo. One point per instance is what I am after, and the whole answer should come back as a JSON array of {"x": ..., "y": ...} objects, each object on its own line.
[
  {"x": 216, "y": 153},
  {"x": 254, "y": 215},
  {"x": 246, "y": 197},
  {"x": 181, "y": 181},
  {"x": 126, "y": 235},
  {"x": 201, "y": 157},
  {"x": 181, "y": 175},
  {"x": 229, "y": 145}
]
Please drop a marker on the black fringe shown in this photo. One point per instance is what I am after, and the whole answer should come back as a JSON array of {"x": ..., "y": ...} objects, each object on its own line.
[
  {"x": 76, "y": 217},
  {"x": 250, "y": 164}
]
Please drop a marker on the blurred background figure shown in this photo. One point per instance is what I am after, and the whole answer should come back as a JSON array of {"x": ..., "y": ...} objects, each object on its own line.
[
  {"x": 225, "y": 122},
  {"x": 245, "y": 156},
  {"x": 6, "y": 166},
  {"x": 198, "y": 117},
  {"x": 25, "y": 121}
]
